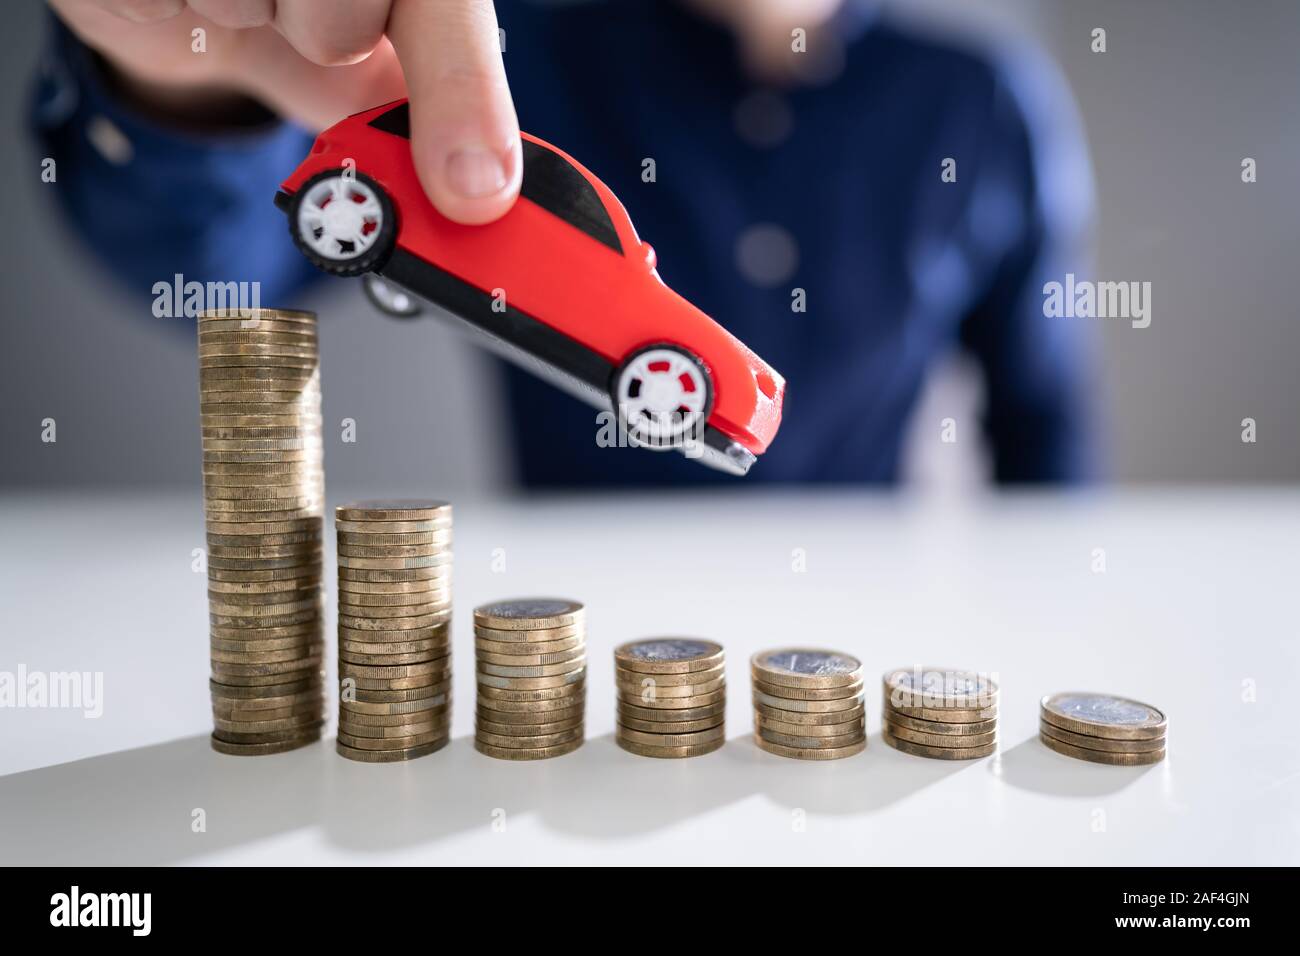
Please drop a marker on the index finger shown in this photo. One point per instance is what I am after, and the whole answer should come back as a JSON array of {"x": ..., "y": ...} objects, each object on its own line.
[{"x": 464, "y": 132}]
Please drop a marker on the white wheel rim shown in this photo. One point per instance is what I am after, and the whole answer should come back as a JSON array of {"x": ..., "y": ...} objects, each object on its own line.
[
  {"x": 662, "y": 395},
  {"x": 340, "y": 218}
]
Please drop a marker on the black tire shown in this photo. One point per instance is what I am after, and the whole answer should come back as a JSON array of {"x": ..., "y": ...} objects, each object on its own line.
[{"x": 369, "y": 260}]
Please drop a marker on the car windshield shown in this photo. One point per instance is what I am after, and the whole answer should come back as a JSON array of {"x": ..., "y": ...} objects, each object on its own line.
[{"x": 550, "y": 181}]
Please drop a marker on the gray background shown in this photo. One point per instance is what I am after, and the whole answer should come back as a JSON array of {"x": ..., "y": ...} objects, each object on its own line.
[{"x": 1187, "y": 88}]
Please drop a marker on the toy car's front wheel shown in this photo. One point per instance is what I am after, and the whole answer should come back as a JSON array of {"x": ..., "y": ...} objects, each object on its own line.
[
  {"x": 343, "y": 222},
  {"x": 662, "y": 395}
]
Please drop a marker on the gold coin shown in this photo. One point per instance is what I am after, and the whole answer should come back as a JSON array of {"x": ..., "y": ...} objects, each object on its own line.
[
  {"x": 939, "y": 688},
  {"x": 541, "y": 635},
  {"x": 385, "y": 743},
  {"x": 691, "y": 678},
  {"x": 811, "y": 718},
  {"x": 524, "y": 708},
  {"x": 804, "y": 753},
  {"x": 393, "y": 564},
  {"x": 269, "y": 736},
  {"x": 262, "y": 680},
  {"x": 431, "y": 648},
  {"x": 313, "y": 628},
  {"x": 692, "y": 739},
  {"x": 486, "y": 726},
  {"x": 643, "y": 750},
  {"x": 526, "y": 753},
  {"x": 417, "y": 622},
  {"x": 276, "y": 691},
  {"x": 258, "y": 361},
  {"x": 529, "y": 671},
  {"x": 945, "y": 715},
  {"x": 390, "y": 551},
  {"x": 845, "y": 692},
  {"x": 805, "y": 742},
  {"x": 369, "y": 592},
  {"x": 429, "y": 715},
  {"x": 258, "y": 657},
  {"x": 1103, "y": 715},
  {"x": 382, "y": 612},
  {"x": 937, "y": 753},
  {"x": 227, "y": 727},
  {"x": 1102, "y": 756},
  {"x": 537, "y": 740},
  {"x": 512, "y": 662},
  {"x": 668, "y": 655},
  {"x": 309, "y": 525},
  {"x": 576, "y": 689},
  {"x": 806, "y": 669},
  {"x": 671, "y": 726},
  {"x": 373, "y": 576},
  {"x": 531, "y": 683},
  {"x": 396, "y": 657},
  {"x": 660, "y": 692},
  {"x": 525, "y": 650},
  {"x": 528, "y": 614},
  {"x": 399, "y": 688},
  {"x": 1100, "y": 743},
  {"x": 395, "y": 706},
  {"x": 630, "y": 712},
  {"x": 263, "y": 334},
  {"x": 305, "y": 591},
  {"x": 377, "y": 529},
  {"x": 404, "y": 670},
  {"x": 310, "y": 663},
  {"x": 763, "y": 722},
  {"x": 305, "y": 697},
  {"x": 499, "y": 718},
  {"x": 362, "y": 539},
  {"x": 389, "y": 756},
  {"x": 674, "y": 703},
  {"x": 972, "y": 729},
  {"x": 420, "y": 509},
  {"x": 275, "y": 747},
  {"x": 414, "y": 728},
  {"x": 955, "y": 741},
  {"x": 256, "y": 316}
]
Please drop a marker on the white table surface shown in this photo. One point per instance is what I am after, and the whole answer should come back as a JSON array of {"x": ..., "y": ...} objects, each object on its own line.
[{"x": 1196, "y": 613}]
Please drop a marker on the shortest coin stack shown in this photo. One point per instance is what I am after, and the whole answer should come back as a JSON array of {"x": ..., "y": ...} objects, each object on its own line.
[
  {"x": 1102, "y": 728},
  {"x": 394, "y": 629},
  {"x": 531, "y": 670},
  {"x": 940, "y": 712},
  {"x": 672, "y": 697},
  {"x": 808, "y": 704}
]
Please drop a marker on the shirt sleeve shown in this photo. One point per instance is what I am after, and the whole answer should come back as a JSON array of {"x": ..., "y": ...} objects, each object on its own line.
[
  {"x": 152, "y": 202},
  {"x": 1034, "y": 196}
]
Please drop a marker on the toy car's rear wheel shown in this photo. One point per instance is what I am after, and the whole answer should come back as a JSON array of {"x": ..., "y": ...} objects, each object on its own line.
[
  {"x": 343, "y": 222},
  {"x": 663, "y": 396},
  {"x": 389, "y": 298}
]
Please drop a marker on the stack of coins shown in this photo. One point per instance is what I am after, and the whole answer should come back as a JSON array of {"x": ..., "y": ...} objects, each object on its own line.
[
  {"x": 808, "y": 704},
  {"x": 531, "y": 657},
  {"x": 672, "y": 697},
  {"x": 1103, "y": 729},
  {"x": 940, "y": 712},
  {"x": 263, "y": 492},
  {"x": 394, "y": 629}
]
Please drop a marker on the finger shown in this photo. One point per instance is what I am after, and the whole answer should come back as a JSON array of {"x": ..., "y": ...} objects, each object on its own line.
[
  {"x": 317, "y": 96},
  {"x": 143, "y": 11},
  {"x": 235, "y": 14},
  {"x": 332, "y": 32},
  {"x": 464, "y": 132}
]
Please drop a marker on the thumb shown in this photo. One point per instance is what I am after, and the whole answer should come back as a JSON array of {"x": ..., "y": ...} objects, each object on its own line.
[{"x": 464, "y": 132}]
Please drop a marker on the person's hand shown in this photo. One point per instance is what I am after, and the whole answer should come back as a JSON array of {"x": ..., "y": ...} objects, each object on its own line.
[{"x": 316, "y": 61}]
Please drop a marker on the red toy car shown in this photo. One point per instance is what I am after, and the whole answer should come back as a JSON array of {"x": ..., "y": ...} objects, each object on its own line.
[{"x": 561, "y": 284}]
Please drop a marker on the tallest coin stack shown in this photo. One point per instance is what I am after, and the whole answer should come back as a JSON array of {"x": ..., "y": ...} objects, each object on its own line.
[{"x": 263, "y": 495}]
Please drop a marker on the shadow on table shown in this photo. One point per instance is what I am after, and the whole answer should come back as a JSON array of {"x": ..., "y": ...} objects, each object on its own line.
[
  {"x": 1031, "y": 766},
  {"x": 136, "y": 807}
]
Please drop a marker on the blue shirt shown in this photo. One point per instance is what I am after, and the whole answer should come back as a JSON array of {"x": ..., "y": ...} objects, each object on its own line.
[{"x": 829, "y": 195}]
